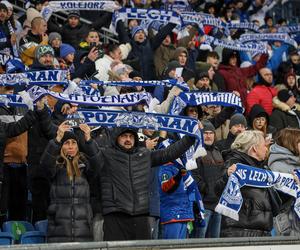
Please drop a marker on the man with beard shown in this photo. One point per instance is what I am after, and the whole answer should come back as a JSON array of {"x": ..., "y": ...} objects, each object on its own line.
[{"x": 262, "y": 92}]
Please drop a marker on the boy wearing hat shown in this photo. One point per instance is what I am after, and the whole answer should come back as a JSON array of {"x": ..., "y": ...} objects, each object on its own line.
[{"x": 286, "y": 112}]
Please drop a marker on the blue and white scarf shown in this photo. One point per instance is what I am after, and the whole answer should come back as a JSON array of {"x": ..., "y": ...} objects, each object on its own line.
[
  {"x": 36, "y": 92},
  {"x": 149, "y": 14},
  {"x": 289, "y": 29},
  {"x": 5, "y": 57},
  {"x": 243, "y": 26},
  {"x": 153, "y": 83},
  {"x": 231, "y": 200},
  {"x": 282, "y": 37},
  {"x": 68, "y": 5},
  {"x": 236, "y": 45},
  {"x": 44, "y": 77},
  {"x": 204, "y": 98}
]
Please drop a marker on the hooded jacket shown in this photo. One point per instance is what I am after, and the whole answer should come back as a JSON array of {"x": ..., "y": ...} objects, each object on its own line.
[
  {"x": 255, "y": 215},
  {"x": 235, "y": 77},
  {"x": 125, "y": 175}
]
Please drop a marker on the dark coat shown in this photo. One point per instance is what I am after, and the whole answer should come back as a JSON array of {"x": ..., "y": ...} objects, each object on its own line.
[
  {"x": 210, "y": 169},
  {"x": 125, "y": 175},
  {"x": 255, "y": 216},
  {"x": 70, "y": 213},
  {"x": 282, "y": 119}
]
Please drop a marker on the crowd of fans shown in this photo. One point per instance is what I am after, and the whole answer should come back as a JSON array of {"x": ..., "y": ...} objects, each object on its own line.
[{"x": 79, "y": 177}]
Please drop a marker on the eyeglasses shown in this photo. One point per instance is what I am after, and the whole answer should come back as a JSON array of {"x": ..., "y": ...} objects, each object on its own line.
[{"x": 260, "y": 119}]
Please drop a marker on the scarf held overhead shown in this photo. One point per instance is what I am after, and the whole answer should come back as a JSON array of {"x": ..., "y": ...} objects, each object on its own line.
[{"x": 231, "y": 200}]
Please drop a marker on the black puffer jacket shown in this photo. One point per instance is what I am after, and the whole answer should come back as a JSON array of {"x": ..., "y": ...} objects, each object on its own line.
[
  {"x": 70, "y": 213},
  {"x": 210, "y": 169},
  {"x": 125, "y": 176},
  {"x": 255, "y": 216}
]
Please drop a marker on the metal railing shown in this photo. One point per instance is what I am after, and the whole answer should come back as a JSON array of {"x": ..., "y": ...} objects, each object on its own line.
[{"x": 106, "y": 34}]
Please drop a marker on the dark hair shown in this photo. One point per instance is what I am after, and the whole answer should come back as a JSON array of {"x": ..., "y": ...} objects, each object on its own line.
[
  {"x": 112, "y": 47},
  {"x": 213, "y": 54}
]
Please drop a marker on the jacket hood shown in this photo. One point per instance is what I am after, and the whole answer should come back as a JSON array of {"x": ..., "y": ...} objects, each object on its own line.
[
  {"x": 278, "y": 153},
  {"x": 257, "y": 111},
  {"x": 227, "y": 53},
  {"x": 118, "y": 131}
]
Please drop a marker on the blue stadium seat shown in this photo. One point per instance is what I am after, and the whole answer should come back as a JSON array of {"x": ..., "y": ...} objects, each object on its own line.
[
  {"x": 33, "y": 237},
  {"x": 41, "y": 226},
  {"x": 6, "y": 238},
  {"x": 17, "y": 228}
]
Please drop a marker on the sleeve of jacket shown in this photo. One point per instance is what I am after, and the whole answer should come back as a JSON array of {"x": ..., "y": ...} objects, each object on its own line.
[
  {"x": 94, "y": 154},
  {"x": 196, "y": 173},
  {"x": 276, "y": 58},
  {"x": 83, "y": 69},
  {"x": 123, "y": 35},
  {"x": 49, "y": 129},
  {"x": 171, "y": 153},
  {"x": 276, "y": 120},
  {"x": 221, "y": 118},
  {"x": 252, "y": 70},
  {"x": 16, "y": 128},
  {"x": 161, "y": 35},
  {"x": 252, "y": 99},
  {"x": 48, "y": 159}
]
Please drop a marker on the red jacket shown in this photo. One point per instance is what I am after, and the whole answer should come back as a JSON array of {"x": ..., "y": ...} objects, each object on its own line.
[
  {"x": 235, "y": 77},
  {"x": 263, "y": 96}
]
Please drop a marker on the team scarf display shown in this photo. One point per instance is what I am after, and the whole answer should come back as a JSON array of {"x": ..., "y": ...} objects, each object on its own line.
[
  {"x": 149, "y": 14},
  {"x": 35, "y": 93},
  {"x": 289, "y": 29},
  {"x": 204, "y": 98},
  {"x": 44, "y": 77},
  {"x": 243, "y": 26},
  {"x": 231, "y": 200},
  {"x": 236, "y": 45},
  {"x": 5, "y": 56},
  {"x": 68, "y": 5},
  {"x": 270, "y": 37},
  {"x": 153, "y": 83}
]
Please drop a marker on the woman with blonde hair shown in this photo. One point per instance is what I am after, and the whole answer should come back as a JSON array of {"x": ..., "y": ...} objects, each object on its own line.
[
  {"x": 255, "y": 215},
  {"x": 70, "y": 214},
  {"x": 285, "y": 158}
]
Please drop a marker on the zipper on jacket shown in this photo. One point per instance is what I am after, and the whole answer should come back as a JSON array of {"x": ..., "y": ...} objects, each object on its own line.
[
  {"x": 131, "y": 183},
  {"x": 72, "y": 208}
]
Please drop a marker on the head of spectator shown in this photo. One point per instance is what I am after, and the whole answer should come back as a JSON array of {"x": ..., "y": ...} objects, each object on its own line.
[
  {"x": 39, "y": 4},
  {"x": 170, "y": 70},
  {"x": 210, "y": 8},
  {"x": 289, "y": 138},
  {"x": 265, "y": 77},
  {"x": 3, "y": 13},
  {"x": 252, "y": 143},
  {"x": 132, "y": 23},
  {"x": 55, "y": 40},
  {"x": 135, "y": 75},
  {"x": 203, "y": 81},
  {"x": 73, "y": 19},
  {"x": 208, "y": 132},
  {"x": 10, "y": 8},
  {"x": 230, "y": 57},
  {"x": 114, "y": 52},
  {"x": 213, "y": 58},
  {"x": 167, "y": 41},
  {"x": 237, "y": 124},
  {"x": 91, "y": 39},
  {"x": 181, "y": 55},
  {"x": 227, "y": 13},
  {"x": 193, "y": 112},
  {"x": 138, "y": 34},
  {"x": 213, "y": 110},
  {"x": 287, "y": 97},
  {"x": 44, "y": 54},
  {"x": 290, "y": 80},
  {"x": 282, "y": 22},
  {"x": 268, "y": 21},
  {"x": 121, "y": 71},
  {"x": 67, "y": 52},
  {"x": 126, "y": 139},
  {"x": 38, "y": 26},
  {"x": 69, "y": 147},
  {"x": 6, "y": 90},
  {"x": 295, "y": 57},
  {"x": 258, "y": 118}
]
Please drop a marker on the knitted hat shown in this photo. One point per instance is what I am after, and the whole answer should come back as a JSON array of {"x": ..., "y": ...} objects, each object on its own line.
[
  {"x": 53, "y": 36},
  {"x": 42, "y": 50},
  {"x": 66, "y": 49},
  {"x": 69, "y": 135},
  {"x": 135, "y": 30},
  {"x": 284, "y": 95},
  {"x": 171, "y": 66},
  {"x": 73, "y": 14},
  {"x": 237, "y": 119},
  {"x": 3, "y": 7},
  {"x": 208, "y": 126},
  {"x": 134, "y": 73},
  {"x": 7, "y": 4}
]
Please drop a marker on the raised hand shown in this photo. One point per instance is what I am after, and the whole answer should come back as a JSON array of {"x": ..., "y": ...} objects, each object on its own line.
[{"x": 86, "y": 130}]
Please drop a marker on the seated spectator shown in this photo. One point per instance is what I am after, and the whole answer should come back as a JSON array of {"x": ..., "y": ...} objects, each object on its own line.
[
  {"x": 55, "y": 42},
  {"x": 67, "y": 54}
]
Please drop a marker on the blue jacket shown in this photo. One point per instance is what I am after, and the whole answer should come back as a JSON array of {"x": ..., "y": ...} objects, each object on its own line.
[{"x": 176, "y": 206}]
